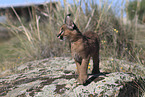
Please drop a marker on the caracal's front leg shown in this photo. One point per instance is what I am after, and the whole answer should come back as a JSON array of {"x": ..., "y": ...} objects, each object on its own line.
[
  {"x": 83, "y": 71},
  {"x": 78, "y": 67}
]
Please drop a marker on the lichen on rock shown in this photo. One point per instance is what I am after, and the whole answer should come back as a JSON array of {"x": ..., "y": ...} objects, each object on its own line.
[{"x": 55, "y": 77}]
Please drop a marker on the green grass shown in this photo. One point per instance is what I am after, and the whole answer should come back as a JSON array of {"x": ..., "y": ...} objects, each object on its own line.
[
  {"x": 37, "y": 38},
  {"x": 8, "y": 57}
]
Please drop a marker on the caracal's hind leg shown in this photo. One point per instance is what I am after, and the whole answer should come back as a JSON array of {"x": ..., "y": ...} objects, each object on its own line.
[{"x": 95, "y": 64}]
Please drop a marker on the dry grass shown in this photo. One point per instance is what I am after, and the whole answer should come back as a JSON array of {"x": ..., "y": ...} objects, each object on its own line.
[{"x": 37, "y": 38}]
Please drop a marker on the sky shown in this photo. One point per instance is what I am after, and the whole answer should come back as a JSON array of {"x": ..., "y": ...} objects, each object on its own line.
[
  {"x": 115, "y": 4},
  {"x": 8, "y": 3}
]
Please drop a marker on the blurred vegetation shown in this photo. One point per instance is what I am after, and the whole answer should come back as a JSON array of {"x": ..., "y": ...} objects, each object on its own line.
[
  {"x": 136, "y": 7},
  {"x": 37, "y": 39}
]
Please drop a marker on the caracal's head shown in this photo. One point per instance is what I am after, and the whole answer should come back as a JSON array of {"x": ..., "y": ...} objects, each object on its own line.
[{"x": 67, "y": 29}]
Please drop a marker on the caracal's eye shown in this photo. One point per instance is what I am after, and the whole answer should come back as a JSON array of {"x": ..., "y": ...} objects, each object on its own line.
[{"x": 61, "y": 29}]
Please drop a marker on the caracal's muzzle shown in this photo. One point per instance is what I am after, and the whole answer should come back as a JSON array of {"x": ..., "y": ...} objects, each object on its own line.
[{"x": 60, "y": 35}]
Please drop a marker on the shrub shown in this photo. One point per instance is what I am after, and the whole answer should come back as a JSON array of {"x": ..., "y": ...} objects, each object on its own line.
[{"x": 38, "y": 39}]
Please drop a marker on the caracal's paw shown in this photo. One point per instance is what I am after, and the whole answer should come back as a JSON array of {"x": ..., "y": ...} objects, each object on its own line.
[{"x": 82, "y": 79}]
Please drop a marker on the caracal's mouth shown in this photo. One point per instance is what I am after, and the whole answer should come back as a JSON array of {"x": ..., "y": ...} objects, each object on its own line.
[{"x": 60, "y": 35}]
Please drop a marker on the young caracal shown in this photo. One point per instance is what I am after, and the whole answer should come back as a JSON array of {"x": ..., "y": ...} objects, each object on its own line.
[{"x": 83, "y": 47}]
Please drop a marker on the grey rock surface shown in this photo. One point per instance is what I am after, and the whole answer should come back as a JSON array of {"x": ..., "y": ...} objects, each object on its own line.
[{"x": 55, "y": 77}]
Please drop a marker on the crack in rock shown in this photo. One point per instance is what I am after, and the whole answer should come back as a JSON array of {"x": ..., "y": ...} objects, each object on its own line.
[{"x": 56, "y": 77}]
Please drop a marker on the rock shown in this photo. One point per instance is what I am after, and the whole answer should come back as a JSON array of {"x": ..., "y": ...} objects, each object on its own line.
[
  {"x": 113, "y": 65},
  {"x": 55, "y": 77},
  {"x": 22, "y": 89}
]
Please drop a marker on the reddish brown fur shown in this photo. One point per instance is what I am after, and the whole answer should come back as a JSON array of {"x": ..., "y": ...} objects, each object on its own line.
[{"x": 83, "y": 47}]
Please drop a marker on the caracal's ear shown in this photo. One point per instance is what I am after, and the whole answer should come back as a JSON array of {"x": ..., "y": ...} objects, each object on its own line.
[{"x": 69, "y": 22}]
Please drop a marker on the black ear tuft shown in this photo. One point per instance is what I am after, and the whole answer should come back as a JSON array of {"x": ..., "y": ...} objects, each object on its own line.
[
  {"x": 69, "y": 22},
  {"x": 69, "y": 14}
]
